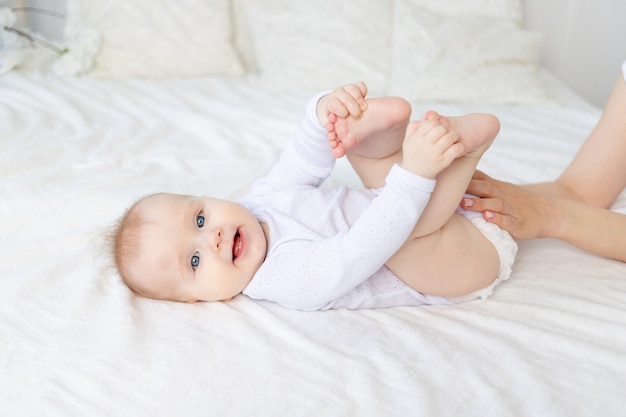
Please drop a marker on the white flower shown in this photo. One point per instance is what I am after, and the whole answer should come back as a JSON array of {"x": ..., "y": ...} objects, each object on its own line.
[
  {"x": 7, "y": 17},
  {"x": 75, "y": 59},
  {"x": 88, "y": 41},
  {"x": 81, "y": 51},
  {"x": 11, "y": 58}
]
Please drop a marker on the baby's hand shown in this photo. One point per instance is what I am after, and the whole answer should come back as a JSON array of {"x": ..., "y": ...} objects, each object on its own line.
[
  {"x": 430, "y": 146},
  {"x": 345, "y": 101}
]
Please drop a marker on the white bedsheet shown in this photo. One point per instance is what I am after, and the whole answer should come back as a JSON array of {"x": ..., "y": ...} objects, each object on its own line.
[{"x": 551, "y": 341}]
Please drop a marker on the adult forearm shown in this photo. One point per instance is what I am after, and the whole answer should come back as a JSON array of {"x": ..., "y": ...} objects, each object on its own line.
[
  {"x": 590, "y": 228},
  {"x": 552, "y": 189}
]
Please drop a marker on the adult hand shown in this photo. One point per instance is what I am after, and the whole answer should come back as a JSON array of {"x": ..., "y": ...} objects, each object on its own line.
[{"x": 522, "y": 213}]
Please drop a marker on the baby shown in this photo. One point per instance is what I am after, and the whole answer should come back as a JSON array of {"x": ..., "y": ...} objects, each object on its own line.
[{"x": 400, "y": 240}]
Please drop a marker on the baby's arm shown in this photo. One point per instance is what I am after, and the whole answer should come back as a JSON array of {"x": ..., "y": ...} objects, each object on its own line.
[
  {"x": 307, "y": 159},
  {"x": 307, "y": 273},
  {"x": 328, "y": 268},
  {"x": 429, "y": 146}
]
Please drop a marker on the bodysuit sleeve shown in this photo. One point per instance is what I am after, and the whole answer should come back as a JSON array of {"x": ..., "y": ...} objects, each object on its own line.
[
  {"x": 307, "y": 275},
  {"x": 306, "y": 160}
]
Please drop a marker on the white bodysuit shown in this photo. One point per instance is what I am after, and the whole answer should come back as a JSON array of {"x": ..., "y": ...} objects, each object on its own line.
[{"x": 327, "y": 247}]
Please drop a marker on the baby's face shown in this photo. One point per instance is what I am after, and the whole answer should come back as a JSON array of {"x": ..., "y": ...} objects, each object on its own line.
[{"x": 199, "y": 248}]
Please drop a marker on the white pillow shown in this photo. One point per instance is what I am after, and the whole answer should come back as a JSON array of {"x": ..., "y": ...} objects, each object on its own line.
[
  {"x": 453, "y": 57},
  {"x": 500, "y": 9},
  {"x": 314, "y": 45},
  {"x": 158, "y": 38}
]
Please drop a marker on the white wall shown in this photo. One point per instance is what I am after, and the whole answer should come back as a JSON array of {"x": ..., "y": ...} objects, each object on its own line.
[{"x": 584, "y": 42}]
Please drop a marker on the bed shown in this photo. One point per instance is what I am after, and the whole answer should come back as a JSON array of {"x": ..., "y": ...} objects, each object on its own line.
[{"x": 202, "y": 102}]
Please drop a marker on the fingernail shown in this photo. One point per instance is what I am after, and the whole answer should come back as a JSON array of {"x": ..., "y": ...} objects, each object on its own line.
[
  {"x": 489, "y": 214},
  {"x": 468, "y": 202}
]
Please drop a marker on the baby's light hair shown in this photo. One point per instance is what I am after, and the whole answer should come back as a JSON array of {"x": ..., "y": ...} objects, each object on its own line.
[{"x": 125, "y": 239}]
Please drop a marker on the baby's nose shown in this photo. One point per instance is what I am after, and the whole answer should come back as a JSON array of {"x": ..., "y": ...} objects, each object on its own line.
[{"x": 216, "y": 239}]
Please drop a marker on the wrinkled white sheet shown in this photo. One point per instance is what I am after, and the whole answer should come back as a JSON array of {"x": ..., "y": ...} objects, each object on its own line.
[{"x": 73, "y": 340}]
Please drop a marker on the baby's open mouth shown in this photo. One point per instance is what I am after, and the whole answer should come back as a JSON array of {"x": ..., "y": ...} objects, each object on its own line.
[{"x": 237, "y": 245}]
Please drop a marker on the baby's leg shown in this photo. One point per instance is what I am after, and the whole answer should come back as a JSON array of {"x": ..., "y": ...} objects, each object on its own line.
[
  {"x": 373, "y": 142},
  {"x": 455, "y": 260},
  {"x": 477, "y": 132},
  {"x": 378, "y": 133},
  {"x": 446, "y": 254}
]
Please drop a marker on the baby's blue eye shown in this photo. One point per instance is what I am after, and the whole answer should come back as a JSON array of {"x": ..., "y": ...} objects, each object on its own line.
[
  {"x": 195, "y": 260},
  {"x": 200, "y": 220}
]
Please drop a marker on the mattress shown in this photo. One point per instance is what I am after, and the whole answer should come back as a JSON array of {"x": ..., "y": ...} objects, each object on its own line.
[{"x": 75, "y": 152}]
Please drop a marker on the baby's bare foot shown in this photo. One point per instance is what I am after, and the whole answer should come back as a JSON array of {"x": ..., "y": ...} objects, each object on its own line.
[
  {"x": 385, "y": 117},
  {"x": 476, "y": 130}
]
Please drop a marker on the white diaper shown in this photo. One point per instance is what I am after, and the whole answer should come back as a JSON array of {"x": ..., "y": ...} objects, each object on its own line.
[{"x": 507, "y": 249}]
